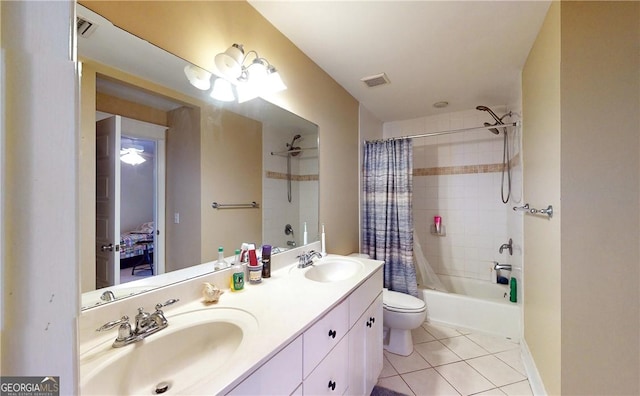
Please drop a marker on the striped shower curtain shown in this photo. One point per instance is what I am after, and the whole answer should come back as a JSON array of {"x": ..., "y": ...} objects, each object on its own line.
[{"x": 387, "y": 218}]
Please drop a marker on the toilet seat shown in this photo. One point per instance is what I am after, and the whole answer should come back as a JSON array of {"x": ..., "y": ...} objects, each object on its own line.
[{"x": 401, "y": 302}]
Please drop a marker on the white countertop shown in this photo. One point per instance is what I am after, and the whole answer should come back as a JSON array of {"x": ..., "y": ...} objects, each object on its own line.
[{"x": 284, "y": 306}]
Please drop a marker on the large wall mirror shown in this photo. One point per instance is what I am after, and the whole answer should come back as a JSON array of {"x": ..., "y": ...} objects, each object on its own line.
[{"x": 164, "y": 153}]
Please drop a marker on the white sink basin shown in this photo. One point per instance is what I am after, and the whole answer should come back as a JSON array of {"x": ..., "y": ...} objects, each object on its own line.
[
  {"x": 194, "y": 346},
  {"x": 333, "y": 269}
]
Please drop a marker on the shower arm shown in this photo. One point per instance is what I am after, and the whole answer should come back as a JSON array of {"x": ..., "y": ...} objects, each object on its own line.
[{"x": 286, "y": 153}]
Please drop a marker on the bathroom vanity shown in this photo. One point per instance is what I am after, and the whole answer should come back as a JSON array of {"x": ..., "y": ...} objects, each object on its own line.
[{"x": 314, "y": 330}]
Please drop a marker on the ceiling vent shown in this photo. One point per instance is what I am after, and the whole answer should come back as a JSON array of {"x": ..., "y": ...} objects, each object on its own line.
[
  {"x": 377, "y": 80},
  {"x": 85, "y": 27}
]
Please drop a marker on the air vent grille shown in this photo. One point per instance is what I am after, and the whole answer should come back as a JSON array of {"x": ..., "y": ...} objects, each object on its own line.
[
  {"x": 377, "y": 80},
  {"x": 85, "y": 27}
]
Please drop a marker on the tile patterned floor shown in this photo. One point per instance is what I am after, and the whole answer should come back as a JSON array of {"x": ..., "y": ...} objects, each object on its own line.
[{"x": 448, "y": 361}]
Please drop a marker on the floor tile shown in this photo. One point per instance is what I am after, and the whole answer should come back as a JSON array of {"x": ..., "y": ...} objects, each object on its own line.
[
  {"x": 491, "y": 392},
  {"x": 405, "y": 364},
  {"x": 420, "y": 335},
  {"x": 397, "y": 384},
  {"x": 436, "y": 353},
  {"x": 429, "y": 382},
  {"x": 493, "y": 344},
  {"x": 495, "y": 370},
  {"x": 513, "y": 358},
  {"x": 439, "y": 331},
  {"x": 464, "y": 378},
  {"x": 464, "y": 347},
  {"x": 518, "y": 389},
  {"x": 387, "y": 369}
]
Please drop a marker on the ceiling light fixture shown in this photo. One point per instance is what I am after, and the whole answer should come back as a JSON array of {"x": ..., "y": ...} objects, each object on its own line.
[
  {"x": 250, "y": 79},
  {"x": 132, "y": 155}
]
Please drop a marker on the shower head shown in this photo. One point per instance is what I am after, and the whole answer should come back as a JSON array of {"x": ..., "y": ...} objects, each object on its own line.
[
  {"x": 493, "y": 130},
  {"x": 488, "y": 110},
  {"x": 292, "y": 147},
  {"x": 296, "y": 137}
]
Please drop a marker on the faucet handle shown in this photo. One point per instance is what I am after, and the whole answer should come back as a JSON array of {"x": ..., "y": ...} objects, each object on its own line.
[
  {"x": 113, "y": 324},
  {"x": 159, "y": 306}
]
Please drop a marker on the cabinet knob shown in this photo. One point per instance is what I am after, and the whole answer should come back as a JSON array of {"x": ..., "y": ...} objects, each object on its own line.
[
  {"x": 368, "y": 323},
  {"x": 332, "y": 385},
  {"x": 373, "y": 320},
  {"x": 332, "y": 333}
]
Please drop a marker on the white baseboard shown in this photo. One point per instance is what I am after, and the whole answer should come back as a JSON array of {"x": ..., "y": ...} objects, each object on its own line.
[{"x": 535, "y": 381}]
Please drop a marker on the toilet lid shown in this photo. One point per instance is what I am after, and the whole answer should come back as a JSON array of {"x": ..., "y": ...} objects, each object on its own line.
[{"x": 400, "y": 302}]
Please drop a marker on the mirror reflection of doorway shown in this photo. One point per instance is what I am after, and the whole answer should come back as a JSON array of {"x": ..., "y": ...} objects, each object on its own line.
[{"x": 129, "y": 199}]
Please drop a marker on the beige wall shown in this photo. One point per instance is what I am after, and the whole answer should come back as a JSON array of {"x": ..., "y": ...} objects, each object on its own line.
[
  {"x": 581, "y": 96},
  {"x": 183, "y": 189},
  {"x": 600, "y": 88},
  {"x": 541, "y": 185},
  {"x": 196, "y": 31},
  {"x": 230, "y": 162}
]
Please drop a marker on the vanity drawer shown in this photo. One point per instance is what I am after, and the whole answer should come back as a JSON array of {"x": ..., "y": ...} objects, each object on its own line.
[
  {"x": 325, "y": 334},
  {"x": 364, "y": 295},
  {"x": 331, "y": 377}
]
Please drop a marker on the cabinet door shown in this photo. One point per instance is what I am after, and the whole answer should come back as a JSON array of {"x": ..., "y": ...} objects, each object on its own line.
[
  {"x": 281, "y": 375},
  {"x": 357, "y": 356},
  {"x": 331, "y": 377},
  {"x": 365, "y": 350},
  {"x": 324, "y": 335},
  {"x": 373, "y": 348}
]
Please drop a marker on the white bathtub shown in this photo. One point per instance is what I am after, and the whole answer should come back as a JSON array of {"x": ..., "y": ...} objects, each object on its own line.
[{"x": 475, "y": 305}]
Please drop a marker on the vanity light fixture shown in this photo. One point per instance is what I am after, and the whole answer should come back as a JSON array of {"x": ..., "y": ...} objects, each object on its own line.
[
  {"x": 198, "y": 77},
  {"x": 222, "y": 90},
  {"x": 132, "y": 155},
  {"x": 250, "y": 79}
]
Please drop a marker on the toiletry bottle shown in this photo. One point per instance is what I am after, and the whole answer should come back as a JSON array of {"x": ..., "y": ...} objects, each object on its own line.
[
  {"x": 513, "y": 295},
  {"x": 221, "y": 263},
  {"x": 323, "y": 246},
  {"x": 237, "y": 278},
  {"x": 304, "y": 234},
  {"x": 266, "y": 261}
]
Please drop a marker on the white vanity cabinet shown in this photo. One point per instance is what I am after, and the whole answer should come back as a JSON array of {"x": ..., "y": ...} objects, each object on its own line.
[
  {"x": 340, "y": 353},
  {"x": 357, "y": 360},
  {"x": 365, "y": 337},
  {"x": 281, "y": 375}
]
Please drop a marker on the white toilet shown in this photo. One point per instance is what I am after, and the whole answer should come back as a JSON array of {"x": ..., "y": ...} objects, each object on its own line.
[{"x": 401, "y": 313}]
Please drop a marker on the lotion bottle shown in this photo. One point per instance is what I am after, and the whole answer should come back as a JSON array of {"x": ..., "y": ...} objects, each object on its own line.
[
  {"x": 237, "y": 277},
  {"x": 221, "y": 263}
]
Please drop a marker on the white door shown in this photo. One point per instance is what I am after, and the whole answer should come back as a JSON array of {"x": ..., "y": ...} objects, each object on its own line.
[{"x": 108, "y": 134}]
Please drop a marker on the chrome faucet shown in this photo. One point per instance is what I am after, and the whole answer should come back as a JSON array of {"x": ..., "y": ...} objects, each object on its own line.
[
  {"x": 306, "y": 259},
  {"x": 498, "y": 266},
  {"x": 146, "y": 324},
  {"x": 508, "y": 245}
]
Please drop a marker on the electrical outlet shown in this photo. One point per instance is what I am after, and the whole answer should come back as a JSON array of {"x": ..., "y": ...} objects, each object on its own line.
[{"x": 176, "y": 218}]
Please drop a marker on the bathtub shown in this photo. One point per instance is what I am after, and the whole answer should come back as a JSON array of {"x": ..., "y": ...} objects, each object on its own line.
[{"x": 475, "y": 305}]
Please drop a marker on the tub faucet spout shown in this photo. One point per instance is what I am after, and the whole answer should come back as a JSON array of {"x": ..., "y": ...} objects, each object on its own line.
[{"x": 498, "y": 266}]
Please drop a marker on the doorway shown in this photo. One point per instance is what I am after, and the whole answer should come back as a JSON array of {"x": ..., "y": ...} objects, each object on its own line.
[{"x": 129, "y": 200}]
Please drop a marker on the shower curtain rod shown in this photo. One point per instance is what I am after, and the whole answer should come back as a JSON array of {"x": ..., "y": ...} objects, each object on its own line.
[{"x": 511, "y": 124}]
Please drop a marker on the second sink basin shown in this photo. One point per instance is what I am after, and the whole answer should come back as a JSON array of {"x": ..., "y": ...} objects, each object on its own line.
[
  {"x": 333, "y": 269},
  {"x": 194, "y": 346}
]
